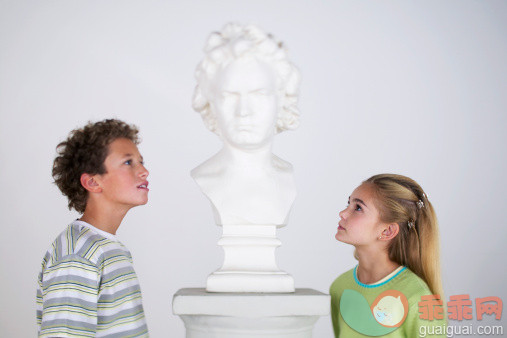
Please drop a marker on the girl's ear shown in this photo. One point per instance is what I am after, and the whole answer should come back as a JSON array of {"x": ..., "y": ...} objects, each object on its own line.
[
  {"x": 391, "y": 231},
  {"x": 89, "y": 183}
]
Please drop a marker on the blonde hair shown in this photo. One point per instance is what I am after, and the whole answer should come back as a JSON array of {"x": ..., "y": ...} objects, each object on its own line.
[{"x": 401, "y": 200}]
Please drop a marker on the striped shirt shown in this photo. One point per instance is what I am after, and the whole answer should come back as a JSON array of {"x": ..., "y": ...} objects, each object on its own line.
[{"x": 87, "y": 287}]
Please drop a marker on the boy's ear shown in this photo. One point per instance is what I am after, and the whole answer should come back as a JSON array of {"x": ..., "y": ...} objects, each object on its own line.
[
  {"x": 391, "y": 231},
  {"x": 89, "y": 183}
]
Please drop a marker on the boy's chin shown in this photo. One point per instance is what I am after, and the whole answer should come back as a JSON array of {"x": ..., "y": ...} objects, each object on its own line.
[{"x": 139, "y": 203}]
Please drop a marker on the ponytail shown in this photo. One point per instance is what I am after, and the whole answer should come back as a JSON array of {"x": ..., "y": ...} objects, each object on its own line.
[{"x": 401, "y": 200}]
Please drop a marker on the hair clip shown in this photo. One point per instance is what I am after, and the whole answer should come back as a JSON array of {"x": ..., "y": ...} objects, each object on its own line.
[
  {"x": 420, "y": 204},
  {"x": 411, "y": 224}
]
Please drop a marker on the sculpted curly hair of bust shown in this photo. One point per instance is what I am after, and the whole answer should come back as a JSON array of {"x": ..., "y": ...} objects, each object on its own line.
[
  {"x": 84, "y": 151},
  {"x": 236, "y": 41}
]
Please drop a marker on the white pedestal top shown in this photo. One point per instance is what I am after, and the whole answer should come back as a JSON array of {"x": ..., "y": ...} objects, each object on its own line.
[{"x": 303, "y": 302}]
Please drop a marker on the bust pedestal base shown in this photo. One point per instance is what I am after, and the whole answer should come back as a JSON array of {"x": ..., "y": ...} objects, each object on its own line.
[
  {"x": 278, "y": 281},
  {"x": 249, "y": 315},
  {"x": 249, "y": 261}
]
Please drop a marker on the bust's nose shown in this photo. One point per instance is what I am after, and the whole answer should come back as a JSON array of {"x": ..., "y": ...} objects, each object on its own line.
[{"x": 243, "y": 108}]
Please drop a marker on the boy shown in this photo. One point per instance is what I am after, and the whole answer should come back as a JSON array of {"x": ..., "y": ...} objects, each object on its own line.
[{"x": 87, "y": 286}]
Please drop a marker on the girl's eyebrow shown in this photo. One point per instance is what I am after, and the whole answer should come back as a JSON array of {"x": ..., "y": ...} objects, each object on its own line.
[{"x": 357, "y": 200}]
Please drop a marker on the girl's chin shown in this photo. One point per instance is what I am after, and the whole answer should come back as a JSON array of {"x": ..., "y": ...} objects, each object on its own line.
[{"x": 341, "y": 238}]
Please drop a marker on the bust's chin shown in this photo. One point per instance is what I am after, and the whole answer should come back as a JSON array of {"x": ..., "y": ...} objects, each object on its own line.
[
  {"x": 247, "y": 139},
  {"x": 247, "y": 146}
]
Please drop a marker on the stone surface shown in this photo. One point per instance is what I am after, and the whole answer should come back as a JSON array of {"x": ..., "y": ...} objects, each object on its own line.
[
  {"x": 247, "y": 92},
  {"x": 246, "y": 315}
]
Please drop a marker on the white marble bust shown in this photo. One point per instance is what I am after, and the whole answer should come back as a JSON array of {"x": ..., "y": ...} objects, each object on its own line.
[{"x": 246, "y": 93}]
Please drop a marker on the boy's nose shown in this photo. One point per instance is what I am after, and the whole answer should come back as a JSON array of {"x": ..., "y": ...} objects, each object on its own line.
[{"x": 144, "y": 172}]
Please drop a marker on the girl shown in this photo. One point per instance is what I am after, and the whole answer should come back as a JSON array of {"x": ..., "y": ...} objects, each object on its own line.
[{"x": 393, "y": 228}]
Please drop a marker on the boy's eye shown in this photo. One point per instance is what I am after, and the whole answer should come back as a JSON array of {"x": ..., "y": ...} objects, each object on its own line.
[{"x": 128, "y": 162}]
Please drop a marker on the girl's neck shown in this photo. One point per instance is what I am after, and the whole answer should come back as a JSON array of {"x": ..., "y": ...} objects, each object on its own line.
[{"x": 373, "y": 265}]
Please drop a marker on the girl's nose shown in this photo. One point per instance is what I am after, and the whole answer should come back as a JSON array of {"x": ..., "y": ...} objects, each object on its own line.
[{"x": 343, "y": 213}]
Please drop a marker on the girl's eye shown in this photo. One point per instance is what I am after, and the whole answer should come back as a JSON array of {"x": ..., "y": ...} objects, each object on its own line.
[
  {"x": 358, "y": 207},
  {"x": 128, "y": 162}
]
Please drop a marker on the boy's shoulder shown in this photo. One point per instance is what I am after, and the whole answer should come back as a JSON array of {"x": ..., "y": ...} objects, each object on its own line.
[{"x": 79, "y": 241}]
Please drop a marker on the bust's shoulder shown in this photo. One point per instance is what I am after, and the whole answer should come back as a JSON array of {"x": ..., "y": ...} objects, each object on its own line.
[
  {"x": 208, "y": 169},
  {"x": 282, "y": 165}
]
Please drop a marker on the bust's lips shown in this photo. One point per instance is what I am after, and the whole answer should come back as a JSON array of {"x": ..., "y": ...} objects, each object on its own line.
[{"x": 244, "y": 127}]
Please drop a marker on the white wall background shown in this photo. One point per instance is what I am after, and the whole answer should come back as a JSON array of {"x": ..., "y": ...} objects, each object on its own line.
[{"x": 411, "y": 87}]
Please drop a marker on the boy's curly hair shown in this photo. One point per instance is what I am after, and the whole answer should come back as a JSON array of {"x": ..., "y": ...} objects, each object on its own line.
[{"x": 84, "y": 151}]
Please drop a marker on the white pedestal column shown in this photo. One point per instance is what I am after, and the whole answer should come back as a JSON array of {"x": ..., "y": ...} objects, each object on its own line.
[
  {"x": 249, "y": 261},
  {"x": 249, "y": 315}
]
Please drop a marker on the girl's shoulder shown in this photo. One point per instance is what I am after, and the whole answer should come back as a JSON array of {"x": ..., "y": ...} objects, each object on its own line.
[
  {"x": 412, "y": 286},
  {"x": 342, "y": 281}
]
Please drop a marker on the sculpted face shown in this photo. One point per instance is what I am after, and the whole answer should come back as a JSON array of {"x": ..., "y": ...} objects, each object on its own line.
[{"x": 245, "y": 102}]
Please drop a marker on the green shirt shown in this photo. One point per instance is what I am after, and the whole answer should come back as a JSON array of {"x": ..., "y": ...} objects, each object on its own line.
[{"x": 359, "y": 297}]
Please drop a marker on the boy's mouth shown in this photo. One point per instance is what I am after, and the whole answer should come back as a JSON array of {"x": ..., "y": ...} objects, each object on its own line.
[{"x": 143, "y": 185}]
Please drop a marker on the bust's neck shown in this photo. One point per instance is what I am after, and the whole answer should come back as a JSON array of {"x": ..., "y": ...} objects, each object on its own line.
[{"x": 259, "y": 157}]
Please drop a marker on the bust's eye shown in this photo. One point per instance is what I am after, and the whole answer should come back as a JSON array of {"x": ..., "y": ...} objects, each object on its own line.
[
  {"x": 262, "y": 92},
  {"x": 227, "y": 94}
]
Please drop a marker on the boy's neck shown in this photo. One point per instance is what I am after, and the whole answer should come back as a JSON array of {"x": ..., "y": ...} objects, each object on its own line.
[
  {"x": 373, "y": 265},
  {"x": 108, "y": 221}
]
